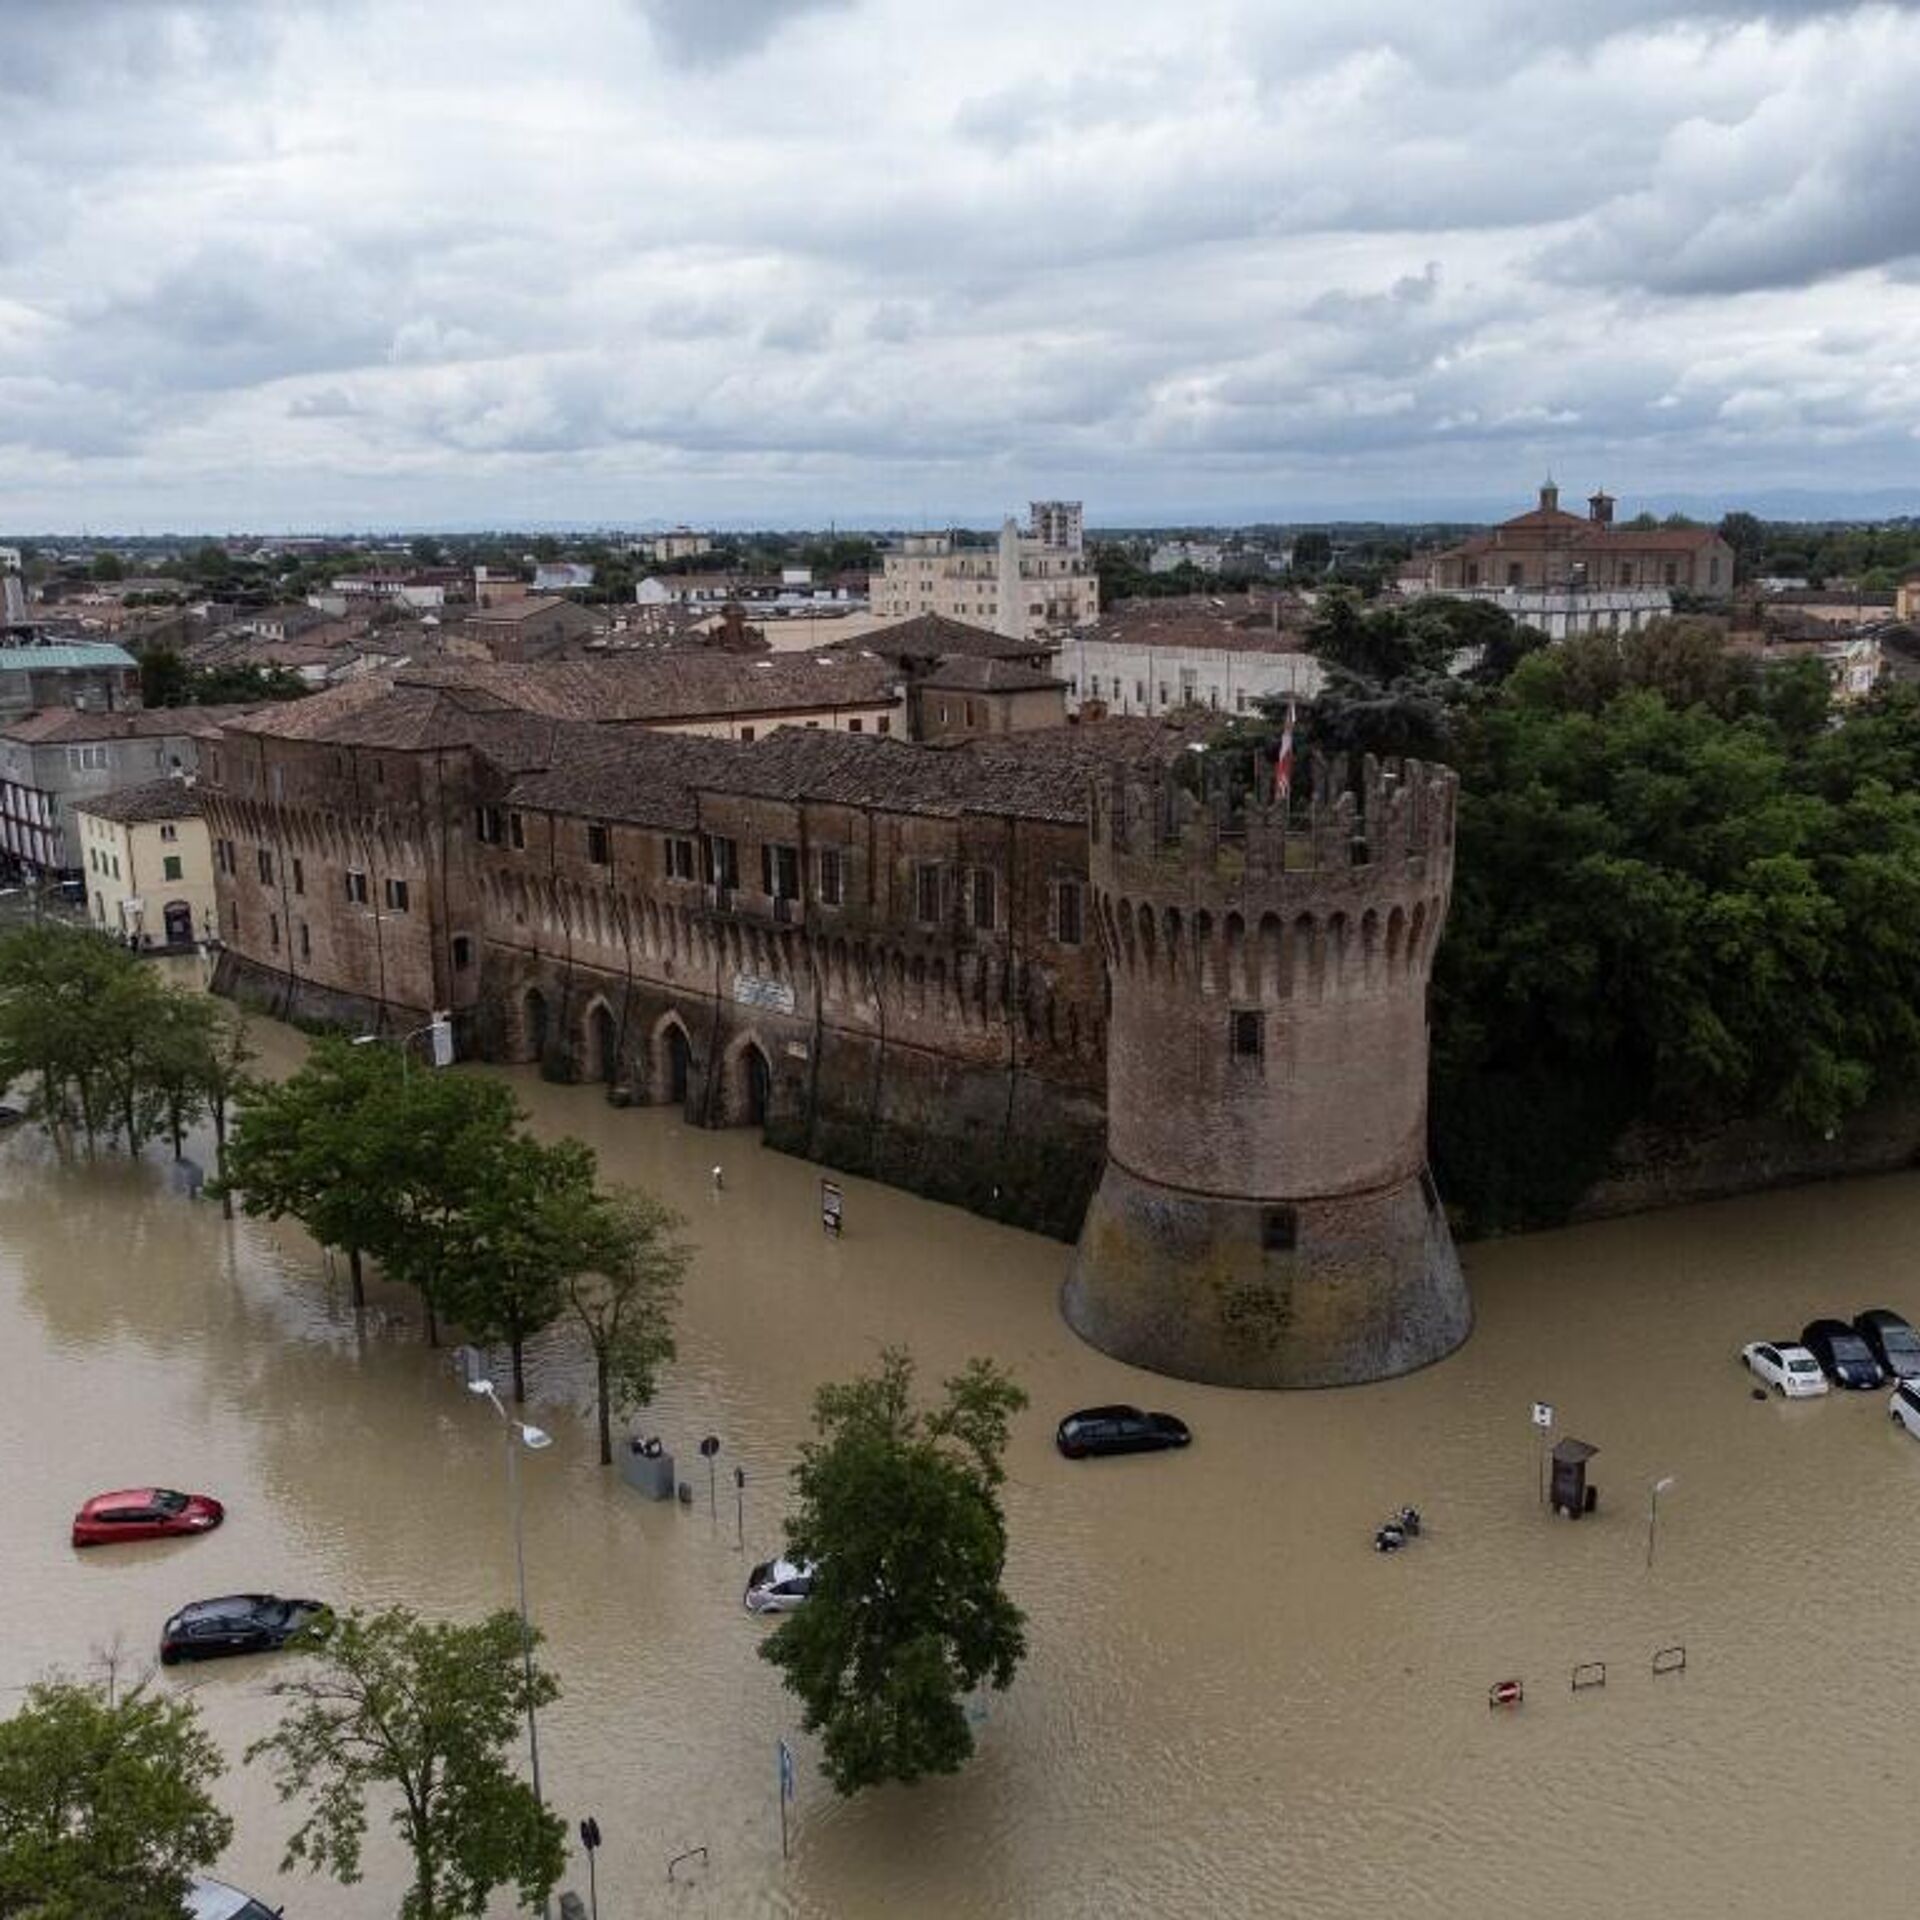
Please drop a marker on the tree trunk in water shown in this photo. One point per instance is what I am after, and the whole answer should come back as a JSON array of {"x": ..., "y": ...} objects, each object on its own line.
[
  {"x": 359, "y": 1282},
  {"x": 519, "y": 1370},
  {"x": 603, "y": 1388},
  {"x": 220, "y": 1157},
  {"x": 433, "y": 1322}
]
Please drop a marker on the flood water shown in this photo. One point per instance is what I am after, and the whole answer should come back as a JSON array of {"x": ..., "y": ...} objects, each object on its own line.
[{"x": 1232, "y": 1706}]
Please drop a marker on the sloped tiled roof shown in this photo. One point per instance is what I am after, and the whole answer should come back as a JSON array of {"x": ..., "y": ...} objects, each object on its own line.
[
  {"x": 975, "y": 673},
  {"x": 931, "y": 636},
  {"x": 156, "y": 800},
  {"x": 71, "y": 724}
]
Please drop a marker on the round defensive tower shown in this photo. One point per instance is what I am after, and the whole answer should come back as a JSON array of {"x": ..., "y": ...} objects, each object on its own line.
[{"x": 1266, "y": 1217}]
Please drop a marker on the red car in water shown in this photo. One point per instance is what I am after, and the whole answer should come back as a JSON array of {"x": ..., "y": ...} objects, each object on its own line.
[{"x": 144, "y": 1513}]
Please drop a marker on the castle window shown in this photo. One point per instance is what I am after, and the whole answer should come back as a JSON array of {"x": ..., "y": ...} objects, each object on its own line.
[
  {"x": 597, "y": 844},
  {"x": 1279, "y": 1229},
  {"x": 169, "y": 831},
  {"x": 1515, "y": 573},
  {"x": 746, "y": 735},
  {"x": 723, "y": 861},
  {"x": 306, "y": 942},
  {"x": 299, "y": 878},
  {"x": 462, "y": 953},
  {"x": 854, "y": 725},
  {"x": 779, "y": 871},
  {"x": 883, "y": 724},
  {"x": 926, "y": 893},
  {"x": 833, "y": 877},
  {"x": 170, "y": 867},
  {"x": 517, "y": 829},
  {"x": 679, "y": 855},
  {"x": 265, "y": 860},
  {"x": 356, "y": 887},
  {"x": 397, "y": 895},
  {"x": 1068, "y": 917},
  {"x": 983, "y": 901},
  {"x": 1248, "y": 1034},
  {"x": 487, "y": 825},
  {"x": 273, "y": 931}
]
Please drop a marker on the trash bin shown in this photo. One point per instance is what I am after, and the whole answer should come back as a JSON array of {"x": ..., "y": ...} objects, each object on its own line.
[
  {"x": 1571, "y": 1495},
  {"x": 647, "y": 1467}
]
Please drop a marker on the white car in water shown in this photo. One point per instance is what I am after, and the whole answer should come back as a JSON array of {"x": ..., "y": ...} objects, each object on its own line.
[
  {"x": 779, "y": 1586},
  {"x": 1903, "y": 1408},
  {"x": 1788, "y": 1369}
]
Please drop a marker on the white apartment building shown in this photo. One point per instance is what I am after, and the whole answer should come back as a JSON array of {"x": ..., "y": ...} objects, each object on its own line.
[
  {"x": 1022, "y": 585},
  {"x": 1155, "y": 657}
]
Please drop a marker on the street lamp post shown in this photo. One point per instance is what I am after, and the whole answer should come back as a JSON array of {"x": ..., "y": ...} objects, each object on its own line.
[
  {"x": 519, "y": 1433},
  {"x": 1653, "y": 1511},
  {"x": 441, "y": 1028}
]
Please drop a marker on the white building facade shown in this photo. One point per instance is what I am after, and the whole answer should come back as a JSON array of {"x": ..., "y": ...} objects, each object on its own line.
[{"x": 1022, "y": 585}]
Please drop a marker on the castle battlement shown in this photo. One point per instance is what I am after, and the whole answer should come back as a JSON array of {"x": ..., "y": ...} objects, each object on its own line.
[{"x": 1402, "y": 810}]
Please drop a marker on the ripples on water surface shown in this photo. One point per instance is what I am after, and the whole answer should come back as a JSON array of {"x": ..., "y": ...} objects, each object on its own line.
[{"x": 1232, "y": 1706}]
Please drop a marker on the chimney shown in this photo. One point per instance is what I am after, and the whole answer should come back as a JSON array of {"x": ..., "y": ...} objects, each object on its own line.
[
  {"x": 1549, "y": 498},
  {"x": 1600, "y": 509}
]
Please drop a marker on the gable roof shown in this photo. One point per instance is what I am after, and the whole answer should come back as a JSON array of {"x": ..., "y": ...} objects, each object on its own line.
[{"x": 155, "y": 800}]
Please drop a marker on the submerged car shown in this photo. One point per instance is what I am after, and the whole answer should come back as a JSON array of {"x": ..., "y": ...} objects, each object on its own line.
[
  {"x": 1096, "y": 1430},
  {"x": 778, "y": 1586},
  {"x": 215, "y": 1900},
  {"x": 1848, "y": 1360},
  {"x": 144, "y": 1513},
  {"x": 1903, "y": 1406},
  {"x": 237, "y": 1623},
  {"x": 1894, "y": 1342},
  {"x": 1786, "y": 1368}
]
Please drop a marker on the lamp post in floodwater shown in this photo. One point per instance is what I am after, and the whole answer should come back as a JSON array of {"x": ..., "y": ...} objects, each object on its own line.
[
  {"x": 1653, "y": 1511},
  {"x": 520, "y": 1434}
]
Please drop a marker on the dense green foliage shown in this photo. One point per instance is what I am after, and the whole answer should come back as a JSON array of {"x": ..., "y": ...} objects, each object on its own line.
[
  {"x": 434, "y": 1175},
  {"x": 426, "y": 1712},
  {"x": 1683, "y": 892},
  {"x": 110, "y": 1050},
  {"x": 899, "y": 1510},
  {"x": 167, "y": 681},
  {"x": 105, "y": 1805},
  {"x": 623, "y": 1301}
]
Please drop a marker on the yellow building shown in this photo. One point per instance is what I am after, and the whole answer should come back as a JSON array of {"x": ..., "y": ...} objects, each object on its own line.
[{"x": 148, "y": 864}]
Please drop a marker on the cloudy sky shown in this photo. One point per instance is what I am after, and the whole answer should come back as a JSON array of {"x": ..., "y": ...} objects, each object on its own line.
[{"x": 272, "y": 263}]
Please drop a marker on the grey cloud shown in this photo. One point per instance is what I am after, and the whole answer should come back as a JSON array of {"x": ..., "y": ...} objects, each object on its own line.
[
  {"x": 804, "y": 330},
  {"x": 712, "y": 33},
  {"x": 329, "y": 403}
]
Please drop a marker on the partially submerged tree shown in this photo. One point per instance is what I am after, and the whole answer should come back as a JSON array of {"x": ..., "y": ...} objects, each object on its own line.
[
  {"x": 425, "y": 1712},
  {"x": 106, "y": 1805},
  {"x": 624, "y": 1302},
  {"x": 899, "y": 1512}
]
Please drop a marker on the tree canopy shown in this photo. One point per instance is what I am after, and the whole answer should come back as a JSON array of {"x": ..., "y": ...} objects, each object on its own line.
[
  {"x": 424, "y": 1712},
  {"x": 899, "y": 1512},
  {"x": 106, "y": 1804}
]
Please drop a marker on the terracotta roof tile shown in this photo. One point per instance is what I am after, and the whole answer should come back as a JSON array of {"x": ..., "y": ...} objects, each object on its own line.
[{"x": 156, "y": 800}]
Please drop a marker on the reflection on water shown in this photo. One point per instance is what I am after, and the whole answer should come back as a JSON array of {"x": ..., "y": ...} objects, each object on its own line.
[{"x": 1233, "y": 1704}]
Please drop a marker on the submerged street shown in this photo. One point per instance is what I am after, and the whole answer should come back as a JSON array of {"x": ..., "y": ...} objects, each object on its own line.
[{"x": 1231, "y": 1705}]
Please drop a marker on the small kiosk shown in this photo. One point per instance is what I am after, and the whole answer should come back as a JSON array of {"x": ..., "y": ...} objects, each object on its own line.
[{"x": 1571, "y": 1495}]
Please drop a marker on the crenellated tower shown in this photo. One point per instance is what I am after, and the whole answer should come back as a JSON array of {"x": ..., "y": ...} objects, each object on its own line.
[{"x": 1267, "y": 1218}]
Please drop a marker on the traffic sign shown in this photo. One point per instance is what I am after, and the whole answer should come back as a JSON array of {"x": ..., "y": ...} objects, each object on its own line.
[{"x": 1542, "y": 1413}]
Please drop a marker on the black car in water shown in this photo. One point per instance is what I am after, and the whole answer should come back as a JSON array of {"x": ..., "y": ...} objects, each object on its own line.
[
  {"x": 237, "y": 1623},
  {"x": 1891, "y": 1337},
  {"x": 1846, "y": 1358},
  {"x": 1118, "y": 1430}
]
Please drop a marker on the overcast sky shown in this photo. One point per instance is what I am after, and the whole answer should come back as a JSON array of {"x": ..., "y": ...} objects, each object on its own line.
[{"x": 278, "y": 263}]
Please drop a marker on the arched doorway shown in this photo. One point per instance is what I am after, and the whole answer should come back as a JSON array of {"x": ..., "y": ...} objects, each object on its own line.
[
  {"x": 755, "y": 1088},
  {"x": 178, "y": 915},
  {"x": 603, "y": 1044},
  {"x": 679, "y": 1065},
  {"x": 533, "y": 1013}
]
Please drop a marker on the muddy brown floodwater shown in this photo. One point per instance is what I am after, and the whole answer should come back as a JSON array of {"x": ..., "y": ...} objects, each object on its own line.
[{"x": 1233, "y": 1705}]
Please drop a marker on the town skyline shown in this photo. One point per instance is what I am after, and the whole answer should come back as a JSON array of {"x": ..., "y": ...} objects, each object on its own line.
[{"x": 780, "y": 262}]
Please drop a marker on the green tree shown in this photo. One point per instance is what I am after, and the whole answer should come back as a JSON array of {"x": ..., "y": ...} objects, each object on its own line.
[
  {"x": 425, "y": 1712},
  {"x": 107, "y": 567},
  {"x": 427, "y": 551},
  {"x": 624, "y": 1302},
  {"x": 106, "y": 1805},
  {"x": 165, "y": 680},
  {"x": 1748, "y": 537},
  {"x": 528, "y": 1224},
  {"x": 899, "y": 1511}
]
